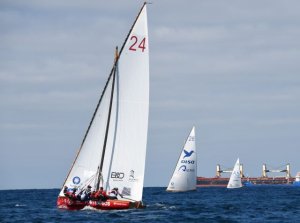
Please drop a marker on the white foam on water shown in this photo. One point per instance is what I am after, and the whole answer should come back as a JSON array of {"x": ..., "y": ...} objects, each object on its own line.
[
  {"x": 90, "y": 208},
  {"x": 20, "y": 205}
]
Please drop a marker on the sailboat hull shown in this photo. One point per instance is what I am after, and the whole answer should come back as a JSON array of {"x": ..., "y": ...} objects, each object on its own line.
[
  {"x": 113, "y": 151},
  {"x": 69, "y": 204},
  {"x": 115, "y": 204}
]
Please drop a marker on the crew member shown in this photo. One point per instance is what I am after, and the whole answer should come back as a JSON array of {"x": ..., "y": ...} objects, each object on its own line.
[
  {"x": 85, "y": 195},
  {"x": 100, "y": 195},
  {"x": 65, "y": 191},
  {"x": 114, "y": 193}
]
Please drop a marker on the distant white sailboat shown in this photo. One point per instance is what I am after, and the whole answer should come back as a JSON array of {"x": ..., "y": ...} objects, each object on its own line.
[
  {"x": 113, "y": 151},
  {"x": 184, "y": 177},
  {"x": 235, "y": 178}
]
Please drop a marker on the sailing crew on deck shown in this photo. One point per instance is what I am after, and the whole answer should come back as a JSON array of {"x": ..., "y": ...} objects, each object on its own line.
[
  {"x": 65, "y": 191},
  {"x": 85, "y": 195},
  {"x": 100, "y": 195},
  {"x": 70, "y": 193},
  {"x": 114, "y": 193},
  {"x": 93, "y": 195}
]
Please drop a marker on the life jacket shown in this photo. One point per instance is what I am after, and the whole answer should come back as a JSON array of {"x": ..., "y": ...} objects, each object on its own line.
[
  {"x": 71, "y": 195},
  {"x": 104, "y": 193}
]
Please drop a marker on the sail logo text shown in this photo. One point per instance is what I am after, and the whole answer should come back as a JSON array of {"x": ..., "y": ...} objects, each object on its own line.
[
  {"x": 188, "y": 161},
  {"x": 118, "y": 175},
  {"x": 184, "y": 169}
]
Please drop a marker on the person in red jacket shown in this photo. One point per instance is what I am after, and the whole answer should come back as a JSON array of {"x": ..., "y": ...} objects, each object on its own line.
[
  {"x": 100, "y": 195},
  {"x": 70, "y": 193}
]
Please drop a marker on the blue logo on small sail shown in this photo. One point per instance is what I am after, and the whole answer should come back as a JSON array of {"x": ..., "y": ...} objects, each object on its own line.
[
  {"x": 76, "y": 180},
  {"x": 187, "y": 153},
  {"x": 183, "y": 168}
]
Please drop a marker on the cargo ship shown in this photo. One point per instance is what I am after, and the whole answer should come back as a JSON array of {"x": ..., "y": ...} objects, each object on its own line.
[
  {"x": 219, "y": 181},
  {"x": 246, "y": 181}
]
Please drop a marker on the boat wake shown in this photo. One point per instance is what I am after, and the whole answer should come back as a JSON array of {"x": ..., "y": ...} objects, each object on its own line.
[
  {"x": 162, "y": 206},
  {"x": 20, "y": 205},
  {"x": 89, "y": 208}
]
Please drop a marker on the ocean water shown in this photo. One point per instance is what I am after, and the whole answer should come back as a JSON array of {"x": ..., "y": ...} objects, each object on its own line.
[{"x": 255, "y": 204}]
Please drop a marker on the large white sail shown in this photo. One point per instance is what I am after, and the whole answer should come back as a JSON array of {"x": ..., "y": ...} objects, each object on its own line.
[
  {"x": 185, "y": 174},
  {"x": 122, "y": 117},
  {"x": 126, "y": 167},
  {"x": 235, "y": 178}
]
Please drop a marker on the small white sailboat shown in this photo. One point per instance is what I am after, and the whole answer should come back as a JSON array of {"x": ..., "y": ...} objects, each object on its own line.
[
  {"x": 235, "y": 178},
  {"x": 184, "y": 177},
  {"x": 113, "y": 150}
]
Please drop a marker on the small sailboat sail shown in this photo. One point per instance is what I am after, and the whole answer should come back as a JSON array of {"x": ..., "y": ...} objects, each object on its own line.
[
  {"x": 184, "y": 177},
  {"x": 235, "y": 178},
  {"x": 113, "y": 151}
]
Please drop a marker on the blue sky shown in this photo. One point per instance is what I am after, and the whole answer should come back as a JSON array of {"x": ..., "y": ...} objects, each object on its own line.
[{"x": 231, "y": 68}]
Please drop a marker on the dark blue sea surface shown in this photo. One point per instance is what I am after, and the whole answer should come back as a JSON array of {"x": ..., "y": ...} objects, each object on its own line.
[{"x": 255, "y": 204}]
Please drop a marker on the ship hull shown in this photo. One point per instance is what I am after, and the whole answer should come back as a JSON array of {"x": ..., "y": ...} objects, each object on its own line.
[{"x": 246, "y": 181}]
